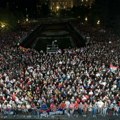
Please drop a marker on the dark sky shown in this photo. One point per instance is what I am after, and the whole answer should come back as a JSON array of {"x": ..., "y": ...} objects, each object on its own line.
[
  {"x": 31, "y": 3},
  {"x": 2, "y": 3},
  {"x": 114, "y": 5},
  {"x": 20, "y": 3}
]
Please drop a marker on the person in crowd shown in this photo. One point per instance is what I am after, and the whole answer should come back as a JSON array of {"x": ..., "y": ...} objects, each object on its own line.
[{"x": 77, "y": 78}]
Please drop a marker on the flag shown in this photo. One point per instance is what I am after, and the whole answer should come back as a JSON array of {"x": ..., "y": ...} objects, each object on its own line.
[{"x": 113, "y": 68}]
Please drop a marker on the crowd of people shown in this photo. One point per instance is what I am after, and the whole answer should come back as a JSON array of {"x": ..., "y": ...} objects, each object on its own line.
[{"x": 77, "y": 80}]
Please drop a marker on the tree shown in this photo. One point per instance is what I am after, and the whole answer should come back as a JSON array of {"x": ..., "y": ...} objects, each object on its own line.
[{"x": 8, "y": 17}]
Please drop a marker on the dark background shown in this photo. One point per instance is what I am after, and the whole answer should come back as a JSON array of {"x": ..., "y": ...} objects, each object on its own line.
[{"x": 107, "y": 10}]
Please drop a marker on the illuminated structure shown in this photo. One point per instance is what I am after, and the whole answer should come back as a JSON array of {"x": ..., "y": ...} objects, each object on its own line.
[
  {"x": 87, "y": 3},
  {"x": 56, "y": 5}
]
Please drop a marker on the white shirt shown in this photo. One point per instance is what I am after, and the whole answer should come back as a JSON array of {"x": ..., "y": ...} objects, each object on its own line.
[
  {"x": 67, "y": 103},
  {"x": 100, "y": 104}
]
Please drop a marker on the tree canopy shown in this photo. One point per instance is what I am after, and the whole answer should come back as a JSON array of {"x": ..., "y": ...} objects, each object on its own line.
[{"x": 8, "y": 18}]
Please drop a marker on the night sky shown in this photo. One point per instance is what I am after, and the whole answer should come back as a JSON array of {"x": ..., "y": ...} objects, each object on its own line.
[
  {"x": 21, "y": 5},
  {"x": 2, "y": 3},
  {"x": 32, "y": 3}
]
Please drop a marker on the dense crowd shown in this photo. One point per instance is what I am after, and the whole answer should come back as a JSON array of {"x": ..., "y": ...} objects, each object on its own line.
[{"x": 75, "y": 80}]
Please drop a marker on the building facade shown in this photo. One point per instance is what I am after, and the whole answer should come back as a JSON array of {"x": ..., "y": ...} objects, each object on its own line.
[
  {"x": 56, "y": 5},
  {"x": 83, "y": 2}
]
